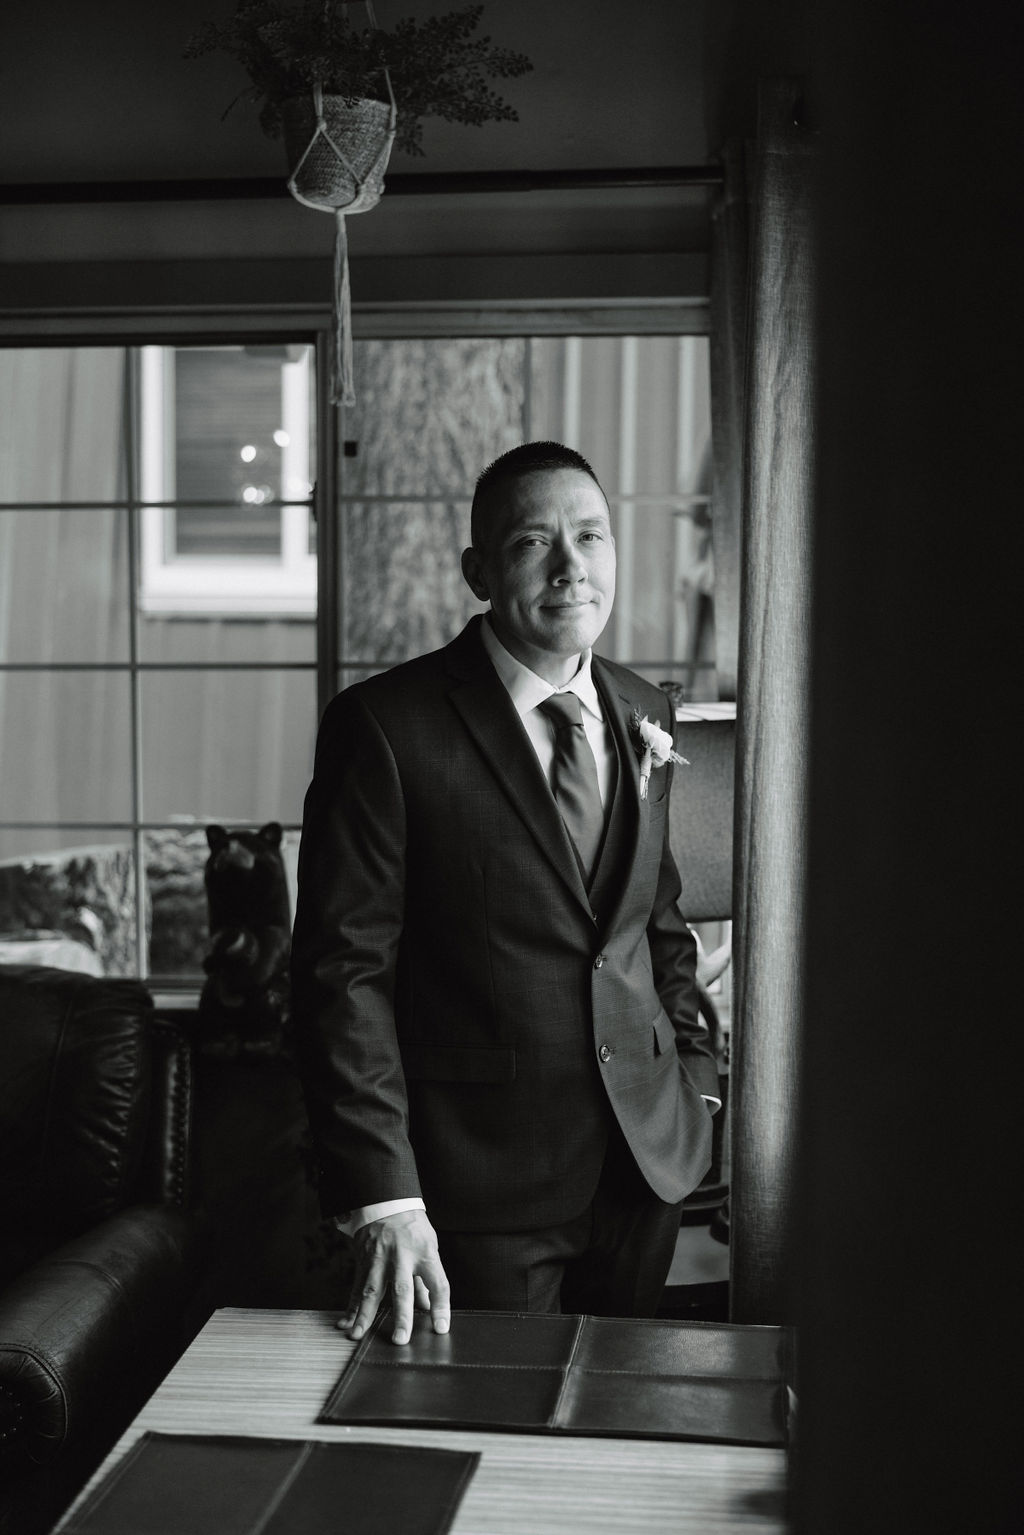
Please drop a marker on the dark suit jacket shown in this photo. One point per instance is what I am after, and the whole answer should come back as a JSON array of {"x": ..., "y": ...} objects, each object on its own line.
[{"x": 466, "y": 1024}]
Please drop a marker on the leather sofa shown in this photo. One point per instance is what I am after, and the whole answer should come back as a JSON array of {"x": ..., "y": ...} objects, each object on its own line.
[{"x": 127, "y": 1212}]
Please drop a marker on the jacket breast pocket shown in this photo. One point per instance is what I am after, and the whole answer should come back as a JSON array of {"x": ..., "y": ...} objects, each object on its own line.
[
  {"x": 657, "y": 790},
  {"x": 657, "y": 798}
]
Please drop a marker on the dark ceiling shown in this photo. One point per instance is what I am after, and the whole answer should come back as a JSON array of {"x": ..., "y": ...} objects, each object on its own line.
[
  {"x": 100, "y": 91},
  {"x": 100, "y": 108}
]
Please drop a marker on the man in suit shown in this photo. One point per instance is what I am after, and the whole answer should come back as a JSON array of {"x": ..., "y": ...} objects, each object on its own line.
[{"x": 509, "y": 1087}]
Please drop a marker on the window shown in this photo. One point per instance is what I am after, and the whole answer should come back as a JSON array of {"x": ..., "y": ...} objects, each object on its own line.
[
  {"x": 431, "y": 413},
  {"x": 173, "y": 617},
  {"x": 225, "y": 447}
]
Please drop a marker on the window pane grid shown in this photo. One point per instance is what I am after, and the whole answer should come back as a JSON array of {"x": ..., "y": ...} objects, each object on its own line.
[
  {"x": 197, "y": 823},
  {"x": 123, "y": 504},
  {"x": 131, "y": 415},
  {"x": 636, "y": 406},
  {"x": 126, "y": 866},
  {"x": 439, "y": 410},
  {"x": 157, "y": 666}
]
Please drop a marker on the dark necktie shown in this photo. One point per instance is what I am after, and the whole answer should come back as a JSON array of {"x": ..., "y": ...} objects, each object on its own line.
[{"x": 574, "y": 777}]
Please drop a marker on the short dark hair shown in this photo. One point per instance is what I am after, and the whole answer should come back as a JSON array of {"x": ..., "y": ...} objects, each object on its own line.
[{"x": 527, "y": 458}]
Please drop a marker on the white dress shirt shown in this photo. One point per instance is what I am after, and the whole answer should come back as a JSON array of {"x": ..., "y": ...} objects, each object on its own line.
[{"x": 527, "y": 691}]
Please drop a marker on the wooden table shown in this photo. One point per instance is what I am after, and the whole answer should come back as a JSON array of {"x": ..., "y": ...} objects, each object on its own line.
[{"x": 265, "y": 1372}]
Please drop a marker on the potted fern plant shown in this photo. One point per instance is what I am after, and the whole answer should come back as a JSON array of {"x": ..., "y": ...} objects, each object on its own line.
[
  {"x": 312, "y": 67},
  {"x": 342, "y": 94}
]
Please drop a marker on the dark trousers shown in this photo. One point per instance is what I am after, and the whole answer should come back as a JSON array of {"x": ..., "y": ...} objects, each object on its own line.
[{"x": 612, "y": 1260}]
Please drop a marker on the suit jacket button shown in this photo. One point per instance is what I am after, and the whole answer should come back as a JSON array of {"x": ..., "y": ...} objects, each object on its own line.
[
  {"x": 599, "y": 961},
  {"x": 605, "y": 1053}
]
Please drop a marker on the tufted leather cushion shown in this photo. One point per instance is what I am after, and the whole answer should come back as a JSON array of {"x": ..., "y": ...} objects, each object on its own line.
[
  {"x": 75, "y": 1094},
  {"x": 166, "y": 1166}
]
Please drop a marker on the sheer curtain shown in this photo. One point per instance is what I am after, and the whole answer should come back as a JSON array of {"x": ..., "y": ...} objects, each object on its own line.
[{"x": 776, "y": 394}]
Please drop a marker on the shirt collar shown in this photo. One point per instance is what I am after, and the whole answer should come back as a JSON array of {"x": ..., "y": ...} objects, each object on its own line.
[{"x": 526, "y": 689}]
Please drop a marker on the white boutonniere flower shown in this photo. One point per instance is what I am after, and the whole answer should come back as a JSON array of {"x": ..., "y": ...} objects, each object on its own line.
[{"x": 653, "y": 746}]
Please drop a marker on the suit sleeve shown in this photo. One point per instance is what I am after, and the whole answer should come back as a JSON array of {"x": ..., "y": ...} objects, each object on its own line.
[
  {"x": 674, "y": 962},
  {"x": 348, "y": 928}
]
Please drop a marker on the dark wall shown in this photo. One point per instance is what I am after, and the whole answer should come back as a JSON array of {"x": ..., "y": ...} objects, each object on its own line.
[
  {"x": 745, "y": 42},
  {"x": 910, "y": 1306}
]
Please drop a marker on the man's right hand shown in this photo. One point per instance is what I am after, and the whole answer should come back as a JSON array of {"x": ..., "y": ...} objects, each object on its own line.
[{"x": 397, "y": 1259}]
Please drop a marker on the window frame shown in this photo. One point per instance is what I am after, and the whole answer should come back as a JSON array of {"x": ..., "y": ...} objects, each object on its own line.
[
  {"x": 146, "y": 511},
  {"x": 211, "y": 586}
]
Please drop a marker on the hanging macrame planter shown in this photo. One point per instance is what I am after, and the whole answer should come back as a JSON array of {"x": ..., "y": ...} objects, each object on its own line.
[{"x": 338, "y": 151}]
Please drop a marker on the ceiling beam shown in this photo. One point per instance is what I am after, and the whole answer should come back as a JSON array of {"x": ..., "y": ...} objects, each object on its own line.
[{"x": 409, "y": 184}]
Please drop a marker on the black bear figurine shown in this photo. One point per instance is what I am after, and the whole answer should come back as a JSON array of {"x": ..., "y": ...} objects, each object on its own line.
[{"x": 244, "y": 1005}]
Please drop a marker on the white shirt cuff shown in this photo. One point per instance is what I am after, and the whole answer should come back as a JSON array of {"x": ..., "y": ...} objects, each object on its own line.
[
  {"x": 714, "y": 1104},
  {"x": 356, "y": 1219}
]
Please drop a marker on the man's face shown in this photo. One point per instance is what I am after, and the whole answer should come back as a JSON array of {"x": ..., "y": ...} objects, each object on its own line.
[{"x": 547, "y": 567}]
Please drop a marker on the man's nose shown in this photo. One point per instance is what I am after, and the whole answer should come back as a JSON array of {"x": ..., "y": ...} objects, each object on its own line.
[{"x": 568, "y": 563}]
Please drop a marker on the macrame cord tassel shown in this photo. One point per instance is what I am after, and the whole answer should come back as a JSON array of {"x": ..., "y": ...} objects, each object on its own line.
[
  {"x": 366, "y": 194},
  {"x": 342, "y": 381}
]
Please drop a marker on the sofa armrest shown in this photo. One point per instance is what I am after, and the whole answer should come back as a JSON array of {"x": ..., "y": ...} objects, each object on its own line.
[{"x": 88, "y": 1332}]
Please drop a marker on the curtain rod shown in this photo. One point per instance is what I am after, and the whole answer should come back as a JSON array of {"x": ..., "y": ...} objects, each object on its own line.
[{"x": 400, "y": 184}]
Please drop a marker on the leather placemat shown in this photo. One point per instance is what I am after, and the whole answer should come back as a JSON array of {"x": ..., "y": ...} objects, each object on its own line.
[
  {"x": 184, "y": 1484},
  {"x": 570, "y": 1374}
]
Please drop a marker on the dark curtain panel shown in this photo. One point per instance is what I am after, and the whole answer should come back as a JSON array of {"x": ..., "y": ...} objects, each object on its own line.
[
  {"x": 772, "y": 706},
  {"x": 911, "y": 1343},
  {"x": 728, "y": 353}
]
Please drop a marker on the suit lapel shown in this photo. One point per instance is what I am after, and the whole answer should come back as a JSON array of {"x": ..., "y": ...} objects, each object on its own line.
[
  {"x": 489, "y": 715},
  {"x": 618, "y": 709}
]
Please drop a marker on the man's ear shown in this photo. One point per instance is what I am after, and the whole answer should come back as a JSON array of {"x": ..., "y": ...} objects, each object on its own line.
[{"x": 473, "y": 570}]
